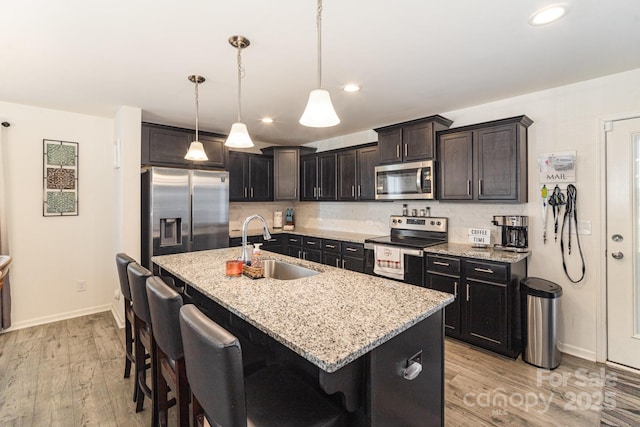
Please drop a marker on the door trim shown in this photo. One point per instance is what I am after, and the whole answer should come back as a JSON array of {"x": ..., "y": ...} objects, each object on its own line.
[{"x": 601, "y": 287}]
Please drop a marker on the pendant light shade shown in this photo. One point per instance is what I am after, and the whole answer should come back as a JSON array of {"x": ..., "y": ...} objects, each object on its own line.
[
  {"x": 239, "y": 135},
  {"x": 196, "y": 150},
  {"x": 319, "y": 112}
]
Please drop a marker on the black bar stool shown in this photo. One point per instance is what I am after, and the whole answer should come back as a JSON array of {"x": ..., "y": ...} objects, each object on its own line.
[
  {"x": 164, "y": 307},
  {"x": 269, "y": 397},
  {"x": 122, "y": 261},
  {"x": 143, "y": 335}
]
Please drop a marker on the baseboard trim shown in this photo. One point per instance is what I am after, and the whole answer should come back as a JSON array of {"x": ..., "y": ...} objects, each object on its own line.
[
  {"x": 57, "y": 317},
  {"x": 577, "y": 351},
  {"x": 116, "y": 316}
]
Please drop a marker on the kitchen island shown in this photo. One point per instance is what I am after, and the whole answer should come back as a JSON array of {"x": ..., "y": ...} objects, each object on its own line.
[{"x": 360, "y": 332}]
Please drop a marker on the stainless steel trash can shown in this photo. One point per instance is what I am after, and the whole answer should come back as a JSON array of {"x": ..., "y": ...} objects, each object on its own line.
[{"x": 539, "y": 304}]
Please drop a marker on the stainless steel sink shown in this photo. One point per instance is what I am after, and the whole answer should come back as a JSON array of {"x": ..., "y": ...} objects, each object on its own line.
[{"x": 281, "y": 270}]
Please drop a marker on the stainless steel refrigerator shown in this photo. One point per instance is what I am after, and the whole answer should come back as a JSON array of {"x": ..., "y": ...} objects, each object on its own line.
[{"x": 183, "y": 210}]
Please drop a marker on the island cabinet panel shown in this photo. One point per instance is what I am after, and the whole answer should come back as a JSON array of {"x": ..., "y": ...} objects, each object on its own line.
[
  {"x": 410, "y": 141},
  {"x": 167, "y": 146},
  {"x": 486, "y": 310},
  {"x": 396, "y": 401},
  {"x": 485, "y": 162},
  {"x": 250, "y": 177}
]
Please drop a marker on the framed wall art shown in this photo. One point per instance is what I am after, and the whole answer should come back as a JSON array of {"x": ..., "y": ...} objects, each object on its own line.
[{"x": 60, "y": 178}]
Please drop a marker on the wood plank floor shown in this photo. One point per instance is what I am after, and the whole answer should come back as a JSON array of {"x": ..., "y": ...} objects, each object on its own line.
[{"x": 69, "y": 373}]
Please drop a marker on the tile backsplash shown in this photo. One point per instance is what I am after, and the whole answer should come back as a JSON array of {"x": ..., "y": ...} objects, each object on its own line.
[{"x": 373, "y": 217}]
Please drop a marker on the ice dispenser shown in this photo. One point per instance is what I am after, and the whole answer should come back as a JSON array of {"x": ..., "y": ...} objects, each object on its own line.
[{"x": 170, "y": 232}]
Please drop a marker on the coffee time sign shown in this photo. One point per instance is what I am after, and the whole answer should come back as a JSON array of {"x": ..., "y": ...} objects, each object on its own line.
[{"x": 480, "y": 236}]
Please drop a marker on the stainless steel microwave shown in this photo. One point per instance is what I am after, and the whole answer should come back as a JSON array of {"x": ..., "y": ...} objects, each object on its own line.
[{"x": 414, "y": 180}]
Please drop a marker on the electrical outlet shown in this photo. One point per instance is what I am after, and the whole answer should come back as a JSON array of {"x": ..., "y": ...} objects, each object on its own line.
[{"x": 82, "y": 285}]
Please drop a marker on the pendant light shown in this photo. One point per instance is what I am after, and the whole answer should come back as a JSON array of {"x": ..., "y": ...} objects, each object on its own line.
[
  {"x": 239, "y": 136},
  {"x": 196, "y": 150},
  {"x": 319, "y": 112}
]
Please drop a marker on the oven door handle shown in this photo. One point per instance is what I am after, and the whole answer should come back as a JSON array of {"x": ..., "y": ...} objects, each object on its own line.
[{"x": 413, "y": 252}]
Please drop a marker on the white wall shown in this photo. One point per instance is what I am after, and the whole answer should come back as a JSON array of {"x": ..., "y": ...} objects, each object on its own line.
[
  {"x": 565, "y": 118},
  {"x": 126, "y": 200},
  {"x": 52, "y": 253}
]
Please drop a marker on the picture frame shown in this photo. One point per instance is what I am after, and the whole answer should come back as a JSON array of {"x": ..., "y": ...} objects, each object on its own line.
[{"x": 60, "y": 178}]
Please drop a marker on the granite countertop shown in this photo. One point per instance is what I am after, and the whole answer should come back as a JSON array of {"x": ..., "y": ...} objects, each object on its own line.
[
  {"x": 310, "y": 232},
  {"x": 468, "y": 251},
  {"x": 330, "y": 319}
]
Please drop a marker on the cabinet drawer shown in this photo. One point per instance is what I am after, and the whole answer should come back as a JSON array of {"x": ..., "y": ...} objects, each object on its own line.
[
  {"x": 355, "y": 250},
  {"x": 443, "y": 264},
  {"x": 332, "y": 246},
  {"x": 294, "y": 240},
  {"x": 312, "y": 243},
  {"x": 490, "y": 271}
]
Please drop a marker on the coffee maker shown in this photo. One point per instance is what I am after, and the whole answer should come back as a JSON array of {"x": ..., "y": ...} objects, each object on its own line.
[{"x": 513, "y": 232}]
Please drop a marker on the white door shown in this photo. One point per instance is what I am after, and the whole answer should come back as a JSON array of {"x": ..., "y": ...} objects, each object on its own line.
[{"x": 623, "y": 242}]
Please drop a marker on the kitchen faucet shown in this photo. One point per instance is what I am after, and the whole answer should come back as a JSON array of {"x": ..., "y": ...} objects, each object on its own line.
[{"x": 265, "y": 233}]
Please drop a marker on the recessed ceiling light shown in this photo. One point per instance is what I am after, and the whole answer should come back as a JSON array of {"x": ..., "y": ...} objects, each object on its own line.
[
  {"x": 267, "y": 120},
  {"x": 351, "y": 87},
  {"x": 548, "y": 14}
]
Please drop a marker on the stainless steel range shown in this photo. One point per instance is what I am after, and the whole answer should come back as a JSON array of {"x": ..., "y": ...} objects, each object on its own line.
[{"x": 399, "y": 255}]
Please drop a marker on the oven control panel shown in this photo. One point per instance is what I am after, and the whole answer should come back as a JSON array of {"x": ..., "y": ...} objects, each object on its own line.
[{"x": 420, "y": 223}]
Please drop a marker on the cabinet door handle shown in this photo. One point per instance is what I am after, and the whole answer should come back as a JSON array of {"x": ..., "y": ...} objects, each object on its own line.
[
  {"x": 359, "y": 191},
  {"x": 293, "y": 240},
  {"x": 252, "y": 192},
  {"x": 315, "y": 192},
  {"x": 468, "y": 187},
  {"x": 455, "y": 289},
  {"x": 444, "y": 264},
  {"x": 467, "y": 292},
  {"x": 245, "y": 192},
  {"x": 398, "y": 151},
  {"x": 295, "y": 193},
  {"x": 304, "y": 255},
  {"x": 319, "y": 192},
  {"x": 484, "y": 270},
  {"x": 342, "y": 263},
  {"x": 351, "y": 249},
  {"x": 300, "y": 254},
  {"x": 337, "y": 262},
  {"x": 330, "y": 246},
  {"x": 406, "y": 150},
  {"x": 353, "y": 191},
  {"x": 311, "y": 243},
  {"x": 480, "y": 187}
]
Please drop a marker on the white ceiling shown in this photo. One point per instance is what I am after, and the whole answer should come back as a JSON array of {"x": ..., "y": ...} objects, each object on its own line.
[{"x": 413, "y": 58}]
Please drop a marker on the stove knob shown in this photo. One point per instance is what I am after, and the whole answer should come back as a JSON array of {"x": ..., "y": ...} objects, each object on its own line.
[
  {"x": 439, "y": 223},
  {"x": 433, "y": 223},
  {"x": 394, "y": 221},
  {"x": 399, "y": 221}
]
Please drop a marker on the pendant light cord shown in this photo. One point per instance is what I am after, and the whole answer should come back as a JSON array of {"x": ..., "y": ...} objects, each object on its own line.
[
  {"x": 240, "y": 70},
  {"x": 196, "y": 82},
  {"x": 319, "y": 23}
]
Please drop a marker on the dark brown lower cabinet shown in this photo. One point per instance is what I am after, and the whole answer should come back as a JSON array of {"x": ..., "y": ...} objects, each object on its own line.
[{"x": 486, "y": 310}]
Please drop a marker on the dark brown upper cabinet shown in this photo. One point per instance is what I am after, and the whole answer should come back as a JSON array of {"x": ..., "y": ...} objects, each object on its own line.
[
  {"x": 286, "y": 167},
  {"x": 167, "y": 146},
  {"x": 250, "y": 177},
  {"x": 410, "y": 141},
  {"x": 318, "y": 178},
  {"x": 356, "y": 173},
  {"x": 486, "y": 162}
]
